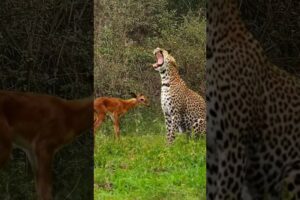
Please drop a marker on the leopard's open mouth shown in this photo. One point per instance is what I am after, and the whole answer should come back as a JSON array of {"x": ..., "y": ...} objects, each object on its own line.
[{"x": 159, "y": 59}]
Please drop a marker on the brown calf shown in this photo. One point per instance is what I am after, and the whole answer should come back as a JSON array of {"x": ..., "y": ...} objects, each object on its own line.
[
  {"x": 115, "y": 107},
  {"x": 41, "y": 125}
]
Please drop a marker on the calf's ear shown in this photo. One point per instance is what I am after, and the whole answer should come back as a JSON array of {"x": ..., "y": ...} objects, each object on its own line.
[{"x": 133, "y": 94}]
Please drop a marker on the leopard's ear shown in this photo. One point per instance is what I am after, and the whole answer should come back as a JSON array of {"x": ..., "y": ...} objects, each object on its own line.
[
  {"x": 169, "y": 50},
  {"x": 173, "y": 62},
  {"x": 133, "y": 94}
]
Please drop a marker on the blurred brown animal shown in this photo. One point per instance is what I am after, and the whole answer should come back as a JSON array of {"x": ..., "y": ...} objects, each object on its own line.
[{"x": 41, "y": 125}]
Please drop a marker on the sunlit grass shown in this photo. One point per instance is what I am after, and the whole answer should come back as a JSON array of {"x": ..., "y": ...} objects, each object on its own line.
[{"x": 142, "y": 166}]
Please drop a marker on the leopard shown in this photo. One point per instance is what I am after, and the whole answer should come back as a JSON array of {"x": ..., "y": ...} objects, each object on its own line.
[
  {"x": 184, "y": 109},
  {"x": 253, "y": 114}
]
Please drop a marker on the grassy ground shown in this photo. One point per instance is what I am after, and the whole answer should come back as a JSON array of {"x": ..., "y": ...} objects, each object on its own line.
[{"x": 142, "y": 167}]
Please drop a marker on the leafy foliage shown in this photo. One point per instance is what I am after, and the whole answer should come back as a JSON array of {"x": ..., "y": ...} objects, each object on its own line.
[
  {"x": 276, "y": 25},
  {"x": 126, "y": 32},
  {"x": 47, "y": 47}
]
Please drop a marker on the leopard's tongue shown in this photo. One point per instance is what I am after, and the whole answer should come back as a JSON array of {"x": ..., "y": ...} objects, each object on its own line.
[{"x": 159, "y": 58}]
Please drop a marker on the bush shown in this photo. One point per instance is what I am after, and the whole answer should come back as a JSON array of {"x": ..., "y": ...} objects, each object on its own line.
[{"x": 126, "y": 35}]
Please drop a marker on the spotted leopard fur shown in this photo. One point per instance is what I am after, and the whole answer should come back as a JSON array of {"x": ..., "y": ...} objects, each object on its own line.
[
  {"x": 253, "y": 114},
  {"x": 184, "y": 109}
]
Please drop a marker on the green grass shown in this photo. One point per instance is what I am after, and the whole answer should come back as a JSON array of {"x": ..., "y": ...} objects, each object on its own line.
[{"x": 141, "y": 166}]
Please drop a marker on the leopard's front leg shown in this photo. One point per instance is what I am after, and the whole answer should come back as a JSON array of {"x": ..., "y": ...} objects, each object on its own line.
[
  {"x": 168, "y": 122},
  {"x": 173, "y": 126}
]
